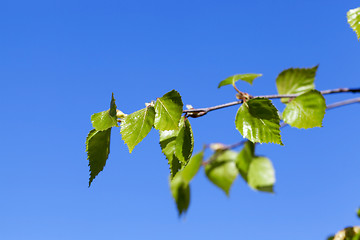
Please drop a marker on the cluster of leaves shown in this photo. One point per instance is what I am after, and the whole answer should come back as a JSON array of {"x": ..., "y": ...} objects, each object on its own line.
[
  {"x": 349, "y": 233},
  {"x": 257, "y": 119}
]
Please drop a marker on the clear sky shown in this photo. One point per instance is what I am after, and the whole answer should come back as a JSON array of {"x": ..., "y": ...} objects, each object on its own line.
[{"x": 61, "y": 60}]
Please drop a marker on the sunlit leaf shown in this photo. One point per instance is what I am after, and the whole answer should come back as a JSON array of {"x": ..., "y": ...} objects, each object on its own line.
[
  {"x": 136, "y": 126},
  {"x": 258, "y": 121},
  {"x": 167, "y": 144},
  {"x": 168, "y": 110},
  {"x": 247, "y": 77},
  {"x": 106, "y": 119},
  {"x": 306, "y": 110},
  {"x": 296, "y": 81},
  {"x": 353, "y": 16},
  {"x": 184, "y": 141},
  {"x": 179, "y": 186},
  {"x": 98, "y": 149},
  {"x": 221, "y": 169},
  {"x": 358, "y": 212}
]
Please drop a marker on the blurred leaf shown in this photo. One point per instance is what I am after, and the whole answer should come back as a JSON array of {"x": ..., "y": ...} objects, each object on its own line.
[
  {"x": 98, "y": 149},
  {"x": 221, "y": 169},
  {"x": 358, "y": 212},
  {"x": 261, "y": 174},
  {"x": 168, "y": 110},
  {"x": 247, "y": 77},
  {"x": 353, "y": 16},
  {"x": 192, "y": 167},
  {"x": 136, "y": 126},
  {"x": 257, "y": 171},
  {"x": 258, "y": 121},
  {"x": 179, "y": 186},
  {"x": 349, "y": 233},
  {"x": 306, "y": 110},
  {"x": 184, "y": 141},
  {"x": 296, "y": 81},
  {"x": 180, "y": 191},
  {"x": 167, "y": 144},
  {"x": 244, "y": 159},
  {"x": 106, "y": 119}
]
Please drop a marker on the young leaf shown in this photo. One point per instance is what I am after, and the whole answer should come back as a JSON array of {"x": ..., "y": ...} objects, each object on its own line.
[
  {"x": 221, "y": 169},
  {"x": 180, "y": 191},
  {"x": 192, "y": 167},
  {"x": 353, "y": 16},
  {"x": 167, "y": 144},
  {"x": 258, "y": 121},
  {"x": 257, "y": 171},
  {"x": 261, "y": 174},
  {"x": 168, "y": 110},
  {"x": 184, "y": 141},
  {"x": 98, "y": 149},
  {"x": 247, "y": 77},
  {"x": 296, "y": 81},
  {"x": 106, "y": 119},
  {"x": 136, "y": 126},
  {"x": 306, "y": 110},
  {"x": 244, "y": 158},
  {"x": 179, "y": 186}
]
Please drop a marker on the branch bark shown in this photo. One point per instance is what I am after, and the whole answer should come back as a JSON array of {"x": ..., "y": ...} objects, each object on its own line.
[
  {"x": 283, "y": 124},
  {"x": 198, "y": 112}
]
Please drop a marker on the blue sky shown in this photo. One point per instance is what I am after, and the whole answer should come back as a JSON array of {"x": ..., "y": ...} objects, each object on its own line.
[{"x": 61, "y": 60}]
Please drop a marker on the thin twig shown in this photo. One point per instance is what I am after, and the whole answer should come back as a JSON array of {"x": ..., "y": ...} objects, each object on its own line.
[
  {"x": 343, "y": 103},
  {"x": 198, "y": 112},
  {"x": 284, "y": 124}
]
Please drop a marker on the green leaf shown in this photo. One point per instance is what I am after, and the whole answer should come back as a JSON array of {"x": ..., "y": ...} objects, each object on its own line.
[
  {"x": 192, "y": 167},
  {"x": 261, "y": 174},
  {"x": 257, "y": 171},
  {"x": 247, "y": 77},
  {"x": 184, "y": 141},
  {"x": 179, "y": 186},
  {"x": 136, "y": 126},
  {"x": 180, "y": 191},
  {"x": 258, "y": 121},
  {"x": 244, "y": 159},
  {"x": 177, "y": 146},
  {"x": 306, "y": 110},
  {"x": 358, "y": 212},
  {"x": 353, "y": 16},
  {"x": 168, "y": 110},
  {"x": 167, "y": 144},
  {"x": 98, "y": 149},
  {"x": 296, "y": 81},
  {"x": 106, "y": 119},
  {"x": 221, "y": 169}
]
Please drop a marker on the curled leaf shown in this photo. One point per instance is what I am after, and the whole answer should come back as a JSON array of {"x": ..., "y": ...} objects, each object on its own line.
[
  {"x": 106, "y": 119},
  {"x": 247, "y": 77}
]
